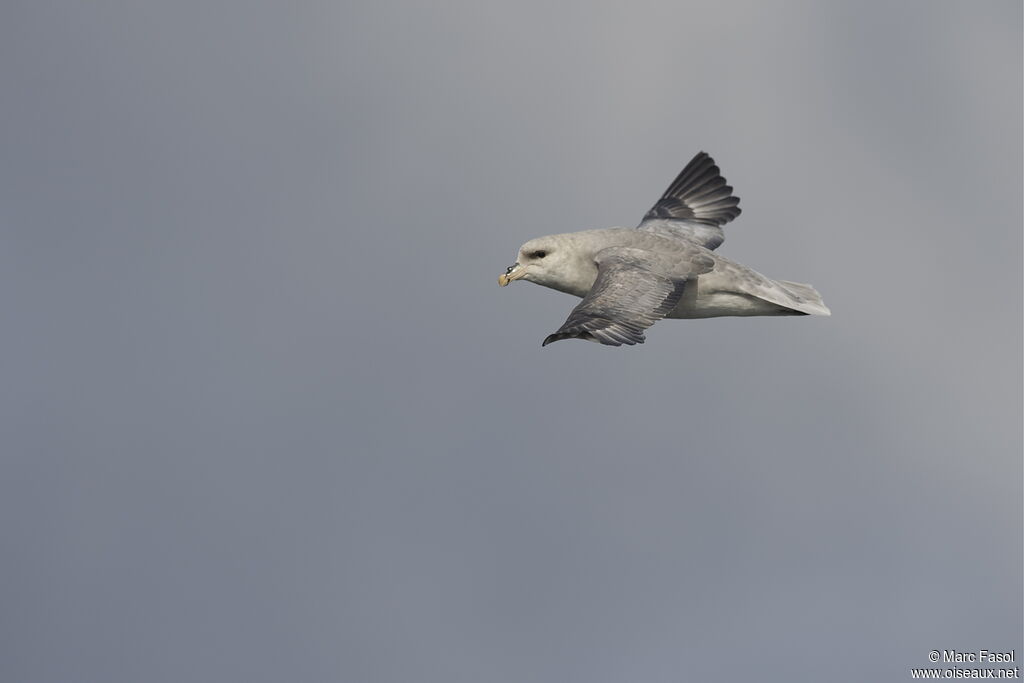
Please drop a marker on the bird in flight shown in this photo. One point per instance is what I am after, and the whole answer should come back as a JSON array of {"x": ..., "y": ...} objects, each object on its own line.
[{"x": 666, "y": 267}]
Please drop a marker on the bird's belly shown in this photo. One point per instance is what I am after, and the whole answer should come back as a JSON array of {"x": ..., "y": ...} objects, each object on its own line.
[
  {"x": 707, "y": 300},
  {"x": 726, "y": 304}
]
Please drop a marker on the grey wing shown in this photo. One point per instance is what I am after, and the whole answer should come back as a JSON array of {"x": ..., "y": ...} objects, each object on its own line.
[
  {"x": 634, "y": 289},
  {"x": 695, "y": 206}
]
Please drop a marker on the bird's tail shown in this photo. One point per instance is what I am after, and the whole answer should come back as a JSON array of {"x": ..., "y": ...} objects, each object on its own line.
[{"x": 806, "y": 298}]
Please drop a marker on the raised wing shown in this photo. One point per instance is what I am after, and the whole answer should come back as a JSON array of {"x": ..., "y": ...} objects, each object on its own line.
[
  {"x": 695, "y": 206},
  {"x": 634, "y": 289}
]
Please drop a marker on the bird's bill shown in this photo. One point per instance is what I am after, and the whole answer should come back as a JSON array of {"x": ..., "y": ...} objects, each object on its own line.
[{"x": 514, "y": 272}]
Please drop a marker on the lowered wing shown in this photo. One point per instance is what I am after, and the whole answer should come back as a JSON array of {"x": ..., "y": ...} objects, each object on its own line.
[{"x": 634, "y": 289}]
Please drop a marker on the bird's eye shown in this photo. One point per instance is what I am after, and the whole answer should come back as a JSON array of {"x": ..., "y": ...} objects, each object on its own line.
[{"x": 540, "y": 254}]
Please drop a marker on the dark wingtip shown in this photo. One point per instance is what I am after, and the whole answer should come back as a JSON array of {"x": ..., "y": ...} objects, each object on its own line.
[
  {"x": 577, "y": 334},
  {"x": 586, "y": 335},
  {"x": 557, "y": 336}
]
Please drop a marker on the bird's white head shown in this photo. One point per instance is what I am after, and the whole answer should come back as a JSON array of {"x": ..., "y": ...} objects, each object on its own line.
[{"x": 538, "y": 261}]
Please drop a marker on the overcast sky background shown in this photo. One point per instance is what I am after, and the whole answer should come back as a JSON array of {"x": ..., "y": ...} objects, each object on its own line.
[{"x": 267, "y": 416}]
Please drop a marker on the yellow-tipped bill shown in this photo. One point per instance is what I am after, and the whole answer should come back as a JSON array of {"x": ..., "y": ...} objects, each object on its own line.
[{"x": 514, "y": 272}]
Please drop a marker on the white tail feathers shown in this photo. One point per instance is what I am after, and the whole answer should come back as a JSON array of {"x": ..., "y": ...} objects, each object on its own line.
[{"x": 805, "y": 298}]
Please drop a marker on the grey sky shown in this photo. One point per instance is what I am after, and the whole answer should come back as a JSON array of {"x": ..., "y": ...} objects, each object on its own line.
[{"x": 267, "y": 416}]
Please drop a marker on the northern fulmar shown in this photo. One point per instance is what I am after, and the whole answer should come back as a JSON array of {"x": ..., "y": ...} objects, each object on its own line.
[{"x": 629, "y": 278}]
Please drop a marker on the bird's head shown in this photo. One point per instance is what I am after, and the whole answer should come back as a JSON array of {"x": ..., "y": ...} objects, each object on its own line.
[{"x": 538, "y": 261}]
